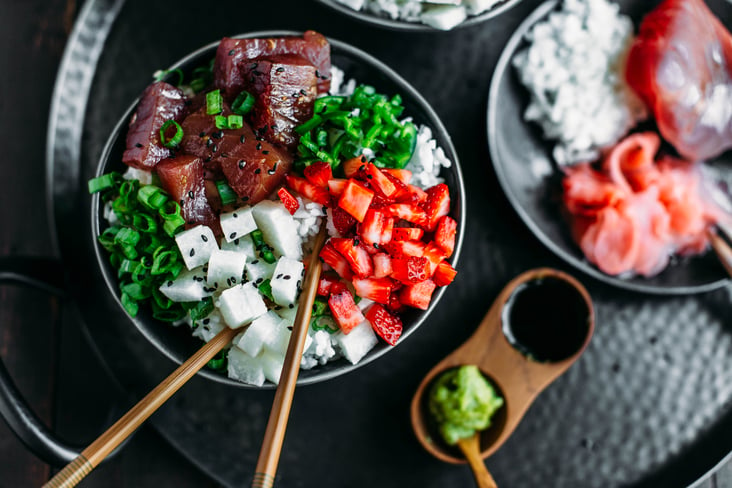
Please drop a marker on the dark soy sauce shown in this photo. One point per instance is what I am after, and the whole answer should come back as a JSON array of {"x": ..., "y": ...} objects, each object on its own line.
[{"x": 546, "y": 319}]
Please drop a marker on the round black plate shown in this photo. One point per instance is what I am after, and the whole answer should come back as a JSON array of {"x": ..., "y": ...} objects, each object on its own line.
[{"x": 523, "y": 163}]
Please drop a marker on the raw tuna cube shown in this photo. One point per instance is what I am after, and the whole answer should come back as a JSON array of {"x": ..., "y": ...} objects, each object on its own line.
[
  {"x": 234, "y": 54},
  {"x": 243, "y": 245},
  {"x": 196, "y": 245},
  {"x": 238, "y": 223},
  {"x": 159, "y": 103},
  {"x": 259, "y": 270},
  {"x": 245, "y": 368},
  {"x": 261, "y": 331},
  {"x": 182, "y": 177},
  {"x": 241, "y": 304},
  {"x": 189, "y": 286},
  {"x": 225, "y": 269},
  {"x": 278, "y": 228},
  {"x": 358, "y": 342},
  {"x": 286, "y": 280},
  {"x": 271, "y": 366}
]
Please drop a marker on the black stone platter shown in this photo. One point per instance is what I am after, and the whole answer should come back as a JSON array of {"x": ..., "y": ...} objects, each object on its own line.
[{"x": 648, "y": 405}]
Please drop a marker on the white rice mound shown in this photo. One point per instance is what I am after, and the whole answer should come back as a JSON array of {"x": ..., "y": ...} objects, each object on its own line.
[{"x": 574, "y": 71}]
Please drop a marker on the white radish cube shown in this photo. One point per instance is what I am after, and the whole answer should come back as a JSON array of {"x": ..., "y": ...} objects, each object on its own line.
[
  {"x": 238, "y": 223},
  {"x": 226, "y": 269},
  {"x": 243, "y": 245},
  {"x": 277, "y": 343},
  {"x": 245, "y": 368},
  {"x": 259, "y": 270},
  {"x": 479, "y": 6},
  {"x": 444, "y": 17},
  {"x": 278, "y": 228},
  {"x": 189, "y": 286},
  {"x": 286, "y": 280},
  {"x": 196, "y": 245},
  {"x": 271, "y": 366},
  {"x": 207, "y": 328},
  {"x": 288, "y": 313},
  {"x": 321, "y": 346},
  {"x": 241, "y": 304},
  {"x": 356, "y": 343},
  {"x": 262, "y": 330}
]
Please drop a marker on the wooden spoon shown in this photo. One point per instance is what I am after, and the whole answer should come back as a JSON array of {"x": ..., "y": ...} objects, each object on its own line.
[
  {"x": 471, "y": 449},
  {"x": 518, "y": 378}
]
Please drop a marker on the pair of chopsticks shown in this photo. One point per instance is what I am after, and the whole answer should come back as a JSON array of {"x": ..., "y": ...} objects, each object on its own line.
[
  {"x": 720, "y": 237},
  {"x": 274, "y": 435}
]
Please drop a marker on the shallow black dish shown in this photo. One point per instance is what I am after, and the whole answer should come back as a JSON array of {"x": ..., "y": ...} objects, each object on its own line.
[{"x": 523, "y": 163}]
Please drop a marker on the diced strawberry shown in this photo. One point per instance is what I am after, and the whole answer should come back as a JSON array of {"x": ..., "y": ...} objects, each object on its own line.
[
  {"x": 372, "y": 228},
  {"x": 342, "y": 221},
  {"x": 444, "y": 274},
  {"x": 369, "y": 248},
  {"x": 380, "y": 201},
  {"x": 307, "y": 189},
  {"x": 351, "y": 166},
  {"x": 402, "y": 190},
  {"x": 417, "y": 194},
  {"x": 409, "y": 212},
  {"x": 407, "y": 233},
  {"x": 394, "y": 304},
  {"x": 410, "y": 270},
  {"x": 318, "y": 173},
  {"x": 356, "y": 199},
  {"x": 402, "y": 249},
  {"x": 345, "y": 311},
  {"x": 376, "y": 289},
  {"x": 437, "y": 205},
  {"x": 358, "y": 258},
  {"x": 388, "y": 233},
  {"x": 445, "y": 234},
  {"x": 335, "y": 260},
  {"x": 325, "y": 284},
  {"x": 417, "y": 295},
  {"x": 338, "y": 287},
  {"x": 289, "y": 201},
  {"x": 336, "y": 186},
  {"x": 380, "y": 181},
  {"x": 388, "y": 326},
  {"x": 434, "y": 255},
  {"x": 403, "y": 175},
  {"x": 382, "y": 265}
]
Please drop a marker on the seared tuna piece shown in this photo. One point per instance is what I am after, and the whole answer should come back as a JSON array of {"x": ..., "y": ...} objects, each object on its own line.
[
  {"x": 233, "y": 55},
  {"x": 285, "y": 89},
  {"x": 182, "y": 177},
  {"x": 252, "y": 166},
  {"x": 159, "y": 103}
]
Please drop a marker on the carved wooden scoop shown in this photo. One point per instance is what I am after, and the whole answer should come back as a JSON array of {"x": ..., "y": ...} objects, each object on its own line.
[{"x": 542, "y": 313}]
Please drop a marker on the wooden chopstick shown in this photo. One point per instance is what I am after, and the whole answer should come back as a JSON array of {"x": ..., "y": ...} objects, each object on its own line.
[
  {"x": 720, "y": 246},
  {"x": 90, "y": 457},
  {"x": 274, "y": 435}
]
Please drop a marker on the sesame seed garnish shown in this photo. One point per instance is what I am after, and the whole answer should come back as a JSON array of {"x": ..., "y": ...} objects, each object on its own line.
[
  {"x": 138, "y": 145},
  {"x": 192, "y": 253},
  {"x": 242, "y": 164},
  {"x": 257, "y": 171},
  {"x": 204, "y": 238},
  {"x": 242, "y": 139},
  {"x": 231, "y": 53},
  {"x": 190, "y": 194},
  {"x": 286, "y": 277},
  {"x": 259, "y": 147},
  {"x": 232, "y": 235}
]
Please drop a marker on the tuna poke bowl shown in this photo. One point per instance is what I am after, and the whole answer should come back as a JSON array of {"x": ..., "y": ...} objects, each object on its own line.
[
  {"x": 214, "y": 183},
  {"x": 608, "y": 140}
]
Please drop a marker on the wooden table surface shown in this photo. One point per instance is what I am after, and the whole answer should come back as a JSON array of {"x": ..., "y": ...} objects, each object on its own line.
[{"x": 40, "y": 342}]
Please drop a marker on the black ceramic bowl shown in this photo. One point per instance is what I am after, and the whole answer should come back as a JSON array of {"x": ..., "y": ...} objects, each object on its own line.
[
  {"x": 403, "y": 25},
  {"x": 176, "y": 342}
]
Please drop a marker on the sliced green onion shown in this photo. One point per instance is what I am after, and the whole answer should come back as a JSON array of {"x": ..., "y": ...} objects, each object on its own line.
[
  {"x": 161, "y": 300},
  {"x": 177, "y": 137},
  {"x": 324, "y": 322},
  {"x": 129, "y": 305},
  {"x": 144, "y": 223},
  {"x": 243, "y": 103},
  {"x": 235, "y": 121},
  {"x": 214, "y": 102},
  {"x": 265, "y": 288},
  {"x": 127, "y": 236},
  {"x": 170, "y": 212},
  {"x": 101, "y": 183},
  {"x": 163, "y": 261},
  {"x": 174, "y": 314},
  {"x": 221, "y": 122},
  {"x": 218, "y": 362},
  {"x": 151, "y": 196},
  {"x": 226, "y": 193},
  {"x": 202, "y": 309},
  {"x": 320, "y": 306},
  {"x": 135, "y": 291},
  {"x": 265, "y": 252}
]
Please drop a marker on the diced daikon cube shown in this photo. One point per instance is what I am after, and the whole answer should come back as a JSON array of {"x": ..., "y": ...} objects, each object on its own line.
[
  {"x": 356, "y": 343},
  {"x": 278, "y": 228},
  {"x": 286, "y": 280},
  {"x": 207, "y": 328},
  {"x": 245, "y": 368},
  {"x": 243, "y": 245},
  {"x": 241, "y": 304},
  {"x": 288, "y": 313},
  {"x": 225, "y": 268},
  {"x": 263, "y": 329},
  {"x": 196, "y": 245},
  {"x": 259, "y": 270},
  {"x": 280, "y": 338},
  {"x": 238, "y": 223},
  {"x": 271, "y": 365},
  {"x": 189, "y": 286}
]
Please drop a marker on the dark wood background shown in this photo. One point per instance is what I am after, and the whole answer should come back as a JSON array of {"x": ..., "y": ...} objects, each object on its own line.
[{"x": 40, "y": 340}]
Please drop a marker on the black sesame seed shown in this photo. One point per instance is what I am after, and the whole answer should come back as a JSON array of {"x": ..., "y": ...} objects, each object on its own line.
[
  {"x": 190, "y": 194},
  {"x": 303, "y": 93},
  {"x": 205, "y": 269},
  {"x": 278, "y": 307},
  {"x": 356, "y": 242},
  {"x": 204, "y": 238},
  {"x": 291, "y": 305},
  {"x": 214, "y": 148},
  {"x": 370, "y": 177},
  {"x": 242, "y": 139},
  {"x": 256, "y": 261},
  {"x": 202, "y": 134},
  {"x": 232, "y": 235},
  {"x": 231, "y": 53},
  {"x": 138, "y": 145},
  {"x": 242, "y": 164},
  {"x": 182, "y": 202},
  {"x": 244, "y": 199},
  {"x": 218, "y": 135},
  {"x": 254, "y": 65},
  {"x": 192, "y": 253},
  {"x": 209, "y": 142},
  {"x": 235, "y": 215},
  {"x": 206, "y": 321},
  {"x": 265, "y": 152},
  {"x": 233, "y": 279},
  {"x": 271, "y": 171},
  {"x": 257, "y": 171},
  {"x": 236, "y": 242},
  {"x": 286, "y": 277},
  {"x": 207, "y": 160},
  {"x": 363, "y": 167},
  {"x": 298, "y": 283},
  {"x": 279, "y": 276},
  {"x": 289, "y": 327},
  {"x": 317, "y": 73},
  {"x": 228, "y": 281},
  {"x": 170, "y": 283},
  {"x": 363, "y": 160},
  {"x": 259, "y": 280},
  {"x": 224, "y": 155},
  {"x": 259, "y": 147},
  {"x": 296, "y": 95}
]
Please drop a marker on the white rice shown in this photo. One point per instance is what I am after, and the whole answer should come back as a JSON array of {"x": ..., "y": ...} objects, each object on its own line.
[{"x": 574, "y": 70}]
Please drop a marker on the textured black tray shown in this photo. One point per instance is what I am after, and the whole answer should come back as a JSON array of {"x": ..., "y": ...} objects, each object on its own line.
[{"x": 648, "y": 405}]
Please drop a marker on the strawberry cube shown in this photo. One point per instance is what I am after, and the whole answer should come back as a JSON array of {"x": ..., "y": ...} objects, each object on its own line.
[
  {"x": 307, "y": 189},
  {"x": 345, "y": 311},
  {"x": 445, "y": 234},
  {"x": 318, "y": 173},
  {"x": 437, "y": 205},
  {"x": 444, "y": 274},
  {"x": 434, "y": 255},
  {"x": 336, "y": 186},
  {"x": 403, "y": 175},
  {"x": 387, "y": 326},
  {"x": 373, "y": 227},
  {"x": 409, "y": 212},
  {"x": 327, "y": 280},
  {"x": 380, "y": 181},
  {"x": 417, "y": 295},
  {"x": 335, "y": 260},
  {"x": 289, "y": 201},
  {"x": 410, "y": 270},
  {"x": 382, "y": 264},
  {"x": 376, "y": 289},
  {"x": 356, "y": 256},
  {"x": 407, "y": 234},
  {"x": 356, "y": 199}
]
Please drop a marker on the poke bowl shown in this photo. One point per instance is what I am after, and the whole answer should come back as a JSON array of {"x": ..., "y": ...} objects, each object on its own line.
[
  {"x": 532, "y": 178},
  {"x": 177, "y": 342},
  {"x": 409, "y": 18}
]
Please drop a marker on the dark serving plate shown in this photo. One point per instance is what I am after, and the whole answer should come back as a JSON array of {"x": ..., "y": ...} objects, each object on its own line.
[
  {"x": 177, "y": 343},
  {"x": 648, "y": 405},
  {"x": 532, "y": 183}
]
